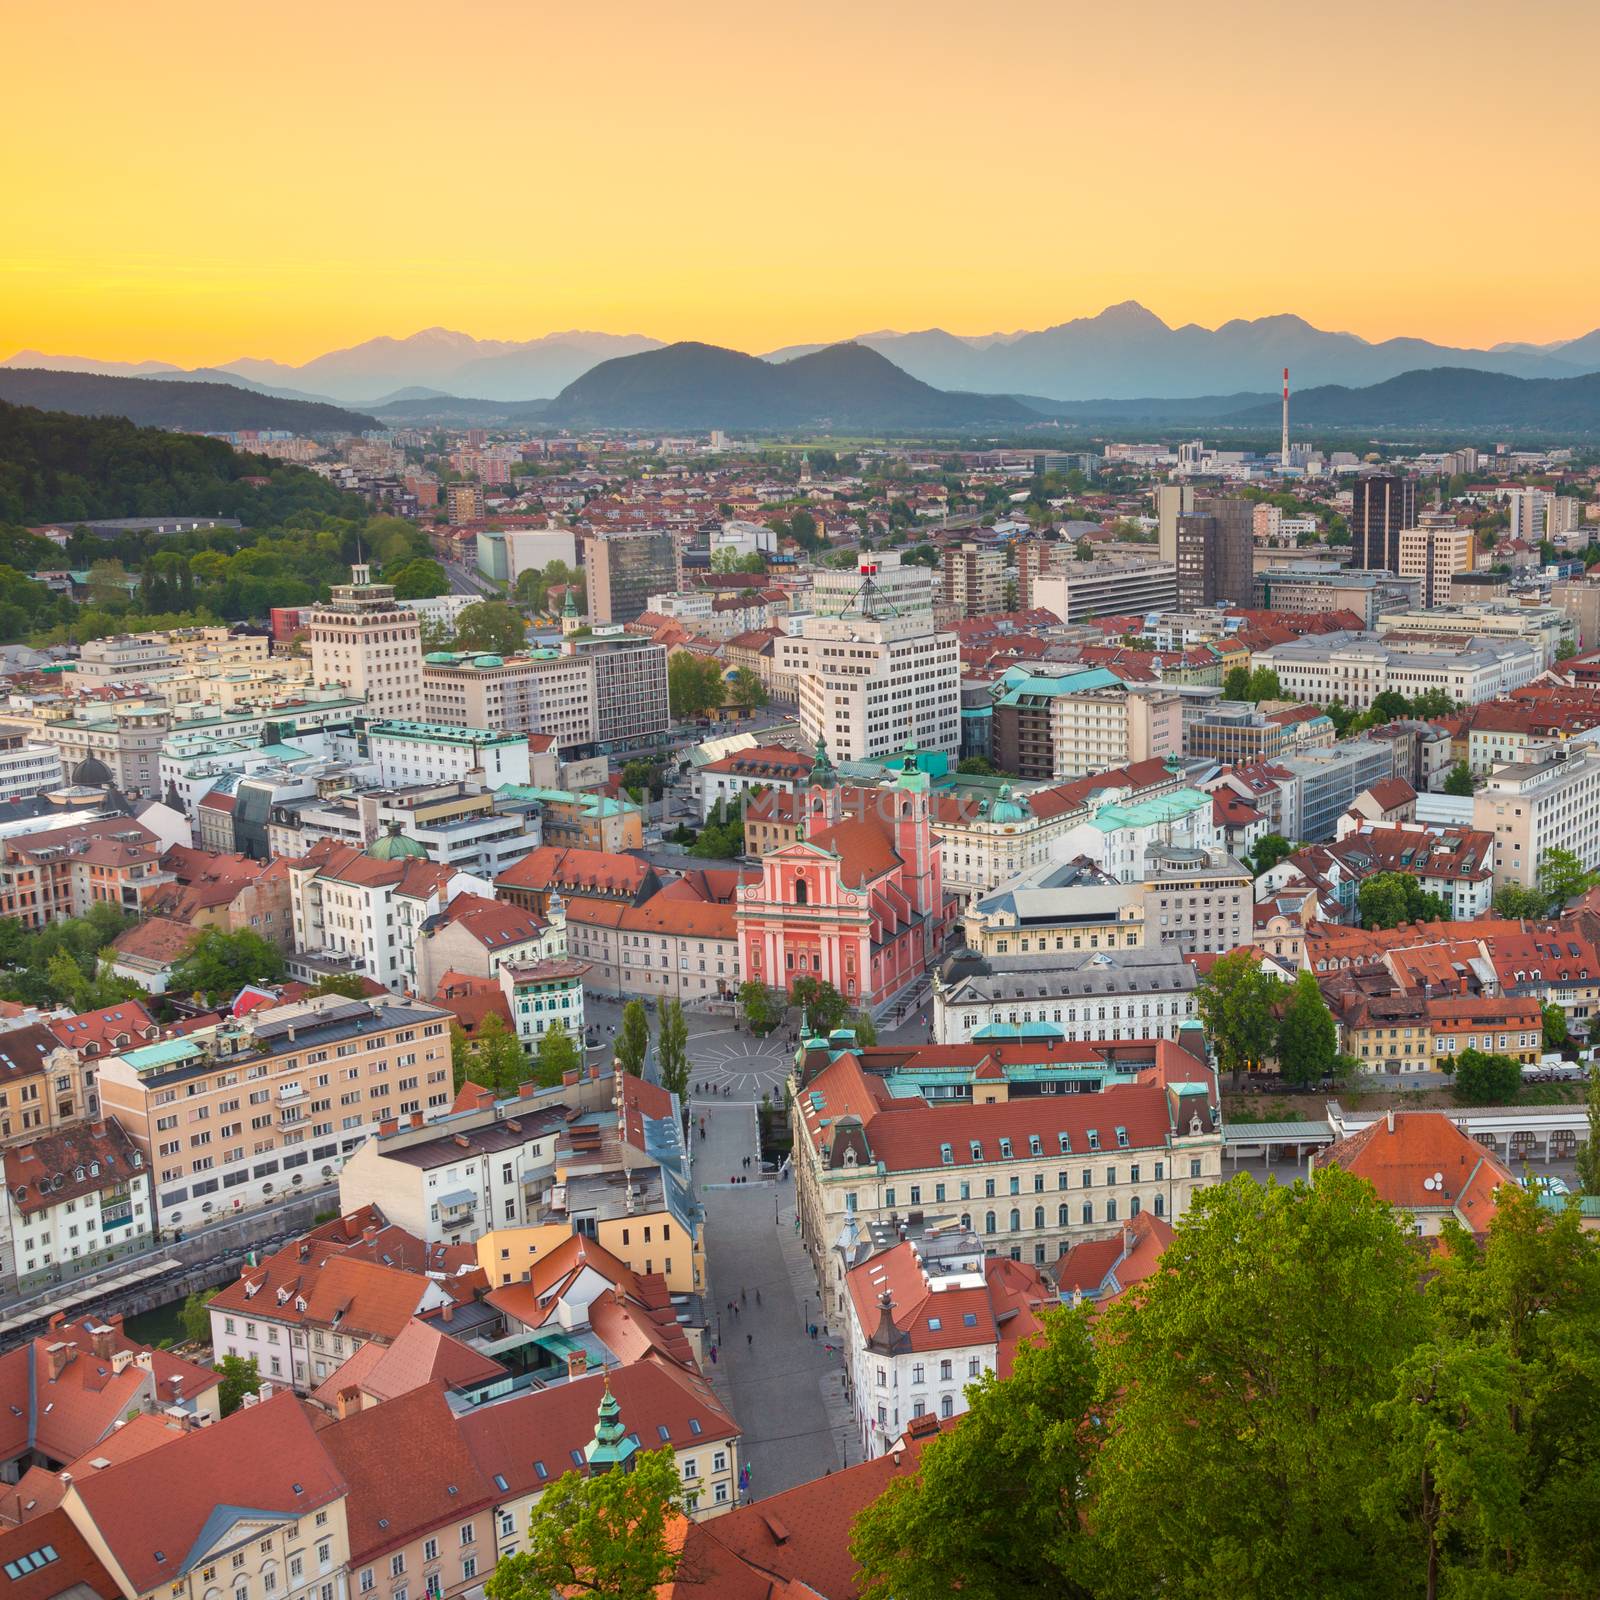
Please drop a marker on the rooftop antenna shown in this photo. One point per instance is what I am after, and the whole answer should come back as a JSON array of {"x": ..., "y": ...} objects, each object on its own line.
[{"x": 1285, "y": 456}]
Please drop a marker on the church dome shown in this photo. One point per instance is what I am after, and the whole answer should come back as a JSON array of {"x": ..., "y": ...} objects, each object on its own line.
[
  {"x": 91, "y": 773},
  {"x": 1005, "y": 808},
  {"x": 395, "y": 846}
]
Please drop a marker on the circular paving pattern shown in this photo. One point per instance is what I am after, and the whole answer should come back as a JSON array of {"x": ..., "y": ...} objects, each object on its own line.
[{"x": 746, "y": 1067}]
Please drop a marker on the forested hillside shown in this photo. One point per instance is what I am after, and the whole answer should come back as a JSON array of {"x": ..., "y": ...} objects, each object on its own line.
[
  {"x": 301, "y": 534},
  {"x": 60, "y": 468}
]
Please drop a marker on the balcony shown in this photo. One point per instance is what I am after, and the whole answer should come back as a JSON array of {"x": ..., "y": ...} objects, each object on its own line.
[{"x": 458, "y": 1204}]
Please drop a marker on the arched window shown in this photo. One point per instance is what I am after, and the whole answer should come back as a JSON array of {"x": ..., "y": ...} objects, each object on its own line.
[
  {"x": 1016, "y": 1220},
  {"x": 988, "y": 1222},
  {"x": 1038, "y": 1216},
  {"x": 947, "y": 1407},
  {"x": 1061, "y": 1216},
  {"x": 800, "y": 891}
]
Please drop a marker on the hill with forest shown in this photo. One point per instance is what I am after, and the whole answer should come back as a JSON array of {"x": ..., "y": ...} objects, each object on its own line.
[
  {"x": 172, "y": 403},
  {"x": 1445, "y": 398},
  {"x": 846, "y": 388},
  {"x": 58, "y": 467}
]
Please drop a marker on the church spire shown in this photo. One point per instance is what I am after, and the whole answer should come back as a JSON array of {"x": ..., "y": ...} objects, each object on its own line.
[{"x": 611, "y": 1448}]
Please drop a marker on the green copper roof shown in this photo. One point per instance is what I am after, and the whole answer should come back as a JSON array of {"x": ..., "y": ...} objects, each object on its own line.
[
  {"x": 395, "y": 846},
  {"x": 611, "y": 1447},
  {"x": 1150, "y": 813}
]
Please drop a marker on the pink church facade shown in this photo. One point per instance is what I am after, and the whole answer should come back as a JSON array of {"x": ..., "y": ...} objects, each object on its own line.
[{"x": 857, "y": 900}]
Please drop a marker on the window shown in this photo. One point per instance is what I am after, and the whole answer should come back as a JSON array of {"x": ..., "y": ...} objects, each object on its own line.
[
  {"x": 469, "y": 1566},
  {"x": 944, "y": 1373},
  {"x": 468, "y": 1533},
  {"x": 430, "y": 1550},
  {"x": 397, "y": 1564},
  {"x": 368, "y": 1582},
  {"x": 947, "y": 1407}
]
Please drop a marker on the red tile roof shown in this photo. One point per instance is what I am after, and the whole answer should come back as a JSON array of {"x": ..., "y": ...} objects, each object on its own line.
[
  {"x": 1402, "y": 1153},
  {"x": 409, "y": 1472},
  {"x": 74, "y": 1564},
  {"x": 152, "y": 1511}
]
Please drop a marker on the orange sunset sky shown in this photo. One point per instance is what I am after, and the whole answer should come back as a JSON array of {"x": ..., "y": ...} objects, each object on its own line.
[{"x": 198, "y": 182}]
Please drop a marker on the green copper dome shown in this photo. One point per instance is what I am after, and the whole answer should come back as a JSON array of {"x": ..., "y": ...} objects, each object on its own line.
[
  {"x": 395, "y": 846},
  {"x": 1005, "y": 808},
  {"x": 822, "y": 773}
]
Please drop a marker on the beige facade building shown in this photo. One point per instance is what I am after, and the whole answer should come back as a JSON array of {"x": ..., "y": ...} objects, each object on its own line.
[
  {"x": 544, "y": 691},
  {"x": 1433, "y": 552},
  {"x": 1549, "y": 802},
  {"x": 1197, "y": 901},
  {"x": 364, "y": 639},
  {"x": 232, "y": 1116},
  {"x": 972, "y": 580},
  {"x": 1044, "y": 729}
]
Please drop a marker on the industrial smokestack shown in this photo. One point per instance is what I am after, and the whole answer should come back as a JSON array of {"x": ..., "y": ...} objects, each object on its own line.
[{"x": 1284, "y": 460}]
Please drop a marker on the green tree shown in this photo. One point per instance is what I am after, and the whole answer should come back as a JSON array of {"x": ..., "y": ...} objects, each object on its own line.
[
  {"x": 349, "y": 984},
  {"x": 461, "y": 1062},
  {"x": 976, "y": 767},
  {"x": 865, "y": 1029},
  {"x": 1432, "y": 703},
  {"x": 1271, "y": 848},
  {"x": 1518, "y": 903},
  {"x": 672, "y": 1051},
  {"x": 1459, "y": 781},
  {"x": 603, "y": 1536},
  {"x": 761, "y": 1007},
  {"x": 500, "y": 1062},
  {"x": 1247, "y": 1370},
  {"x": 1236, "y": 684},
  {"x": 999, "y": 1507},
  {"x": 1530, "y": 1296},
  {"x": 747, "y": 690},
  {"x": 722, "y": 837},
  {"x": 1563, "y": 877},
  {"x": 195, "y": 1318},
  {"x": 1236, "y": 1001},
  {"x": 1387, "y": 706},
  {"x": 493, "y": 627},
  {"x": 1451, "y": 1475},
  {"x": 419, "y": 579},
  {"x": 1588, "y": 1156},
  {"x": 633, "y": 1042},
  {"x": 1308, "y": 1040},
  {"x": 1391, "y": 899},
  {"x": 1264, "y": 685},
  {"x": 823, "y": 1005},
  {"x": 1555, "y": 1026},
  {"x": 219, "y": 964},
  {"x": 694, "y": 685},
  {"x": 1566, "y": 650},
  {"x": 556, "y": 1055},
  {"x": 1485, "y": 1080},
  {"x": 240, "y": 1376}
]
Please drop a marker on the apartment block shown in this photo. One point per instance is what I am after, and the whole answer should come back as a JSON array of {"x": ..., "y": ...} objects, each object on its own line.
[
  {"x": 1548, "y": 802},
  {"x": 1196, "y": 901},
  {"x": 1081, "y": 590},
  {"x": 230, "y": 1116},
  {"x": 972, "y": 580},
  {"x": 1433, "y": 553}
]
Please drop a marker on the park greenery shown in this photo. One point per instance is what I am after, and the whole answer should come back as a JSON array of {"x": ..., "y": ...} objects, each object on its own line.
[
  {"x": 218, "y": 965},
  {"x": 694, "y": 685},
  {"x": 1241, "y": 683},
  {"x": 64, "y": 963},
  {"x": 1302, "y": 1401},
  {"x": 1390, "y": 706},
  {"x": 534, "y": 584}
]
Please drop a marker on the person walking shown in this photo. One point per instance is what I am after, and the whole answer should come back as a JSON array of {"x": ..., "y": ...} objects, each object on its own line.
[
  {"x": 758, "y": 1297},
  {"x": 749, "y": 1340}
]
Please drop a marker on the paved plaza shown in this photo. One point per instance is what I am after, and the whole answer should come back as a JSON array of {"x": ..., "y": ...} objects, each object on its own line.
[{"x": 786, "y": 1389}]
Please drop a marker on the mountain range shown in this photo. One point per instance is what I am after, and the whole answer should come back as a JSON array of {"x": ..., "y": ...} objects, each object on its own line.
[
  {"x": 1124, "y": 353},
  {"x": 844, "y": 387}
]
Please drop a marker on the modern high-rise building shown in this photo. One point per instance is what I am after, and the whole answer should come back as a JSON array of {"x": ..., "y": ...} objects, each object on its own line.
[
  {"x": 871, "y": 670},
  {"x": 365, "y": 639},
  {"x": 1537, "y": 514},
  {"x": 1173, "y": 500},
  {"x": 1434, "y": 551},
  {"x": 1383, "y": 504},
  {"x": 1215, "y": 546},
  {"x": 625, "y": 568}
]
